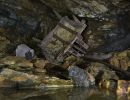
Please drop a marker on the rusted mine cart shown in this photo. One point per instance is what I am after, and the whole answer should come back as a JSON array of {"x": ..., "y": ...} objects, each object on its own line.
[{"x": 65, "y": 39}]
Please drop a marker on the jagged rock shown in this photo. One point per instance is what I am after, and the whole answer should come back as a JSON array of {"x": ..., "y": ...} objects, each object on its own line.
[
  {"x": 121, "y": 60},
  {"x": 23, "y": 50},
  {"x": 116, "y": 38},
  {"x": 80, "y": 77},
  {"x": 17, "y": 63}
]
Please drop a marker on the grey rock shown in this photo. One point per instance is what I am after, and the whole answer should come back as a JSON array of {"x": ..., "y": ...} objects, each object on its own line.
[
  {"x": 80, "y": 77},
  {"x": 23, "y": 50}
]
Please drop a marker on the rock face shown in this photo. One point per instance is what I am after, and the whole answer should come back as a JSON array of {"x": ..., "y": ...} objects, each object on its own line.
[
  {"x": 89, "y": 9},
  {"x": 10, "y": 23},
  {"x": 80, "y": 77},
  {"x": 121, "y": 60}
]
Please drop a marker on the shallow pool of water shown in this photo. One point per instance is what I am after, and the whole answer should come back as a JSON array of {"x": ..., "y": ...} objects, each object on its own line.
[{"x": 61, "y": 94}]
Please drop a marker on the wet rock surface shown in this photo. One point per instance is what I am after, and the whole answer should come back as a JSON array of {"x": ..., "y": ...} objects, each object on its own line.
[
  {"x": 16, "y": 63},
  {"x": 14, "y": 79},
  {"x": 17, "y": 72},
  {"x": 80, "y": 77},
  {"x": 19, "y": 80}
]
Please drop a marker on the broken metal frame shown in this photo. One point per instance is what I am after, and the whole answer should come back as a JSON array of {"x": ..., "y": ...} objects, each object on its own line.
[{"x": 76, "y": 47}]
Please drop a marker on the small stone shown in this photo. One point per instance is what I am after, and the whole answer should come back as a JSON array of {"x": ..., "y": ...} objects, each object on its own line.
[{"x": 23, "y": 50}]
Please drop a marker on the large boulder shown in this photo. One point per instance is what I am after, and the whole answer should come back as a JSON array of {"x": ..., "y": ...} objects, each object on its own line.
[
  {"x": 24, "y": 51},
  {"x": 81, "y": 77}
]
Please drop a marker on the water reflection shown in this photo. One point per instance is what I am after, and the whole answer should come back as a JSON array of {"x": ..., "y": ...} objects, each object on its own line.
[{"x": 62, "y": 94}]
